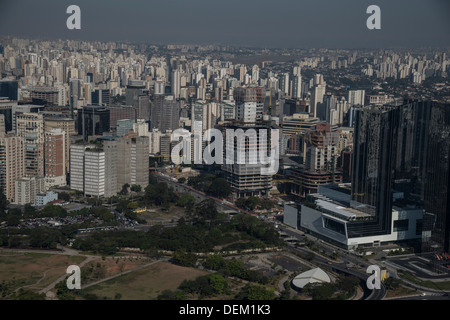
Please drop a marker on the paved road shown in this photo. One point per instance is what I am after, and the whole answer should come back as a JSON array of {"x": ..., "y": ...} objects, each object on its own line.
[{"x": 376, "y": 294}]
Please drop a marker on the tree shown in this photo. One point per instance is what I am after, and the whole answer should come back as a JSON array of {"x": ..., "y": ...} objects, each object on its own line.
[
  {"x": 214, "y": 262},
  {"x": 64, "y": 196},
  {"x": 132, "y": 205},
  {"x": 187, "y": 202},
  {"x": 392, "y": 283},
  {"x": 124, "y": 189},
  {"x": 256, "y": 292},
  {"x": 206, "y": 209},
  {"x": 220, "y": 187},
  {"x": 157, "y": 194},
  {"x": 319, "y": 291},
  {"x": 12, "y": 220},
  {"x": 235, "y": 268},
  {"x": 26, "y": 294},
  {"x": 3, "y": 202},
  {"x": 53, "y": 211},
  {"x": 172, "y": 295},
  {"x": 251, "y": 203},
  {"x": 348, "y": 283},
  {"x": 183, "y": 258},
  {"x": 102, "y": 213},
  {"x": 122, "y": 205},
  {"x": 136, "y": 188},
  {"x": 218, "y": 283}
]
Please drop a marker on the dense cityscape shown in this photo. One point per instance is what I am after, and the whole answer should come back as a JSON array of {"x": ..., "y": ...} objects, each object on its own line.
[{"x": 106, "y": 162}]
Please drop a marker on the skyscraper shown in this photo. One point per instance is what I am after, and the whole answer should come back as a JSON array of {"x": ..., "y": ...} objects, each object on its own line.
[
  {"x": 165, "y": 113},
  {"x": 9, "y": 89},
  {"x": 176, "y": 84},
  {"x": 54, "y": 158},
  {"x": 405, "y": 150},
  {"x": 249, "y": 103},
  {"x": 12, "y": 163},
  {"x": 356, "y": 97},
  {"x": 374, "y": 154},
  {"x": 317, "y": 94},
  {"x": 93, "y": 121},
  {"x": 30, "y": 126},
  {"x": 65, "y": 124},
  {"x": 297, "y": 87}
]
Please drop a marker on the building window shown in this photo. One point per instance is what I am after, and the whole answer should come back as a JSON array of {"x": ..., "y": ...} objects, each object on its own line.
[
  {"x": 334, "y": 225},
  {"x": 419, "y": 225},
  {"x": 401, "y": 225}
]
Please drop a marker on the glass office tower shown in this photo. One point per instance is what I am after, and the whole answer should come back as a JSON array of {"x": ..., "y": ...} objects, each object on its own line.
[{"x": 403, "y": 150}]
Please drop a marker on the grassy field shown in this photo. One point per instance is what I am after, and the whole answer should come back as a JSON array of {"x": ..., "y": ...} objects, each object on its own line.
[
  {"x": 36, "y": 270},
  {"x": 436, "y": 285},
  {"x": 156, "y": 215},
  {"x": 401, "y": 291},
  {"x": 146, "y": 284},
  {"x": 110, "y": 266}
]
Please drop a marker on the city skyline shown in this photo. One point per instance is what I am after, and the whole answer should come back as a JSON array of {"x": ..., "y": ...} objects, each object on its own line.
[
  {"x": 299, "y": 24},
  {"x": 225, "y": 150}
]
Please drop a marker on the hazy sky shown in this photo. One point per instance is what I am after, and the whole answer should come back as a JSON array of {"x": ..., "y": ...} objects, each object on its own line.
[{"x": 274, "y": 23}]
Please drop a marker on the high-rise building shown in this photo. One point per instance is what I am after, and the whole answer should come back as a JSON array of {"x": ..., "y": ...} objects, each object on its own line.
[
  {"x": 112, "y": 163},
  {"x": 101, "y": 97},
  {"x": 93, "y": 121},
  {"x": 134, "y": 89},
  {"x": 249, "y": 103},
  {"x": 317, "y": 94},
  {"x": 89, "y": 172},
  {"x": 124, "y": 126},
  {"x": 143, "y": 107},
  {"x": 121, "y": 112},
  {"x": 65, "y": 124},
  {"x": 297, "y": 87},
  {"x": 165, "y": 113},
  {"x": 6, "y": 109},
  {"x": 372, "y": 167},
  {"x": 27, "y": 188},
  {"x": 54, "y": 158},
  {"x": 284, "y": 83},
  {"x": 246, "y": 178},
  {"x": 356, "y": 97},
  {"x": 9, "y": 89},
  {"x": 400, "y": 176},
  {"x": 140, "y": 162},
  {"x": 48, "y": 96},
  {"x": 166, "y": 146},
  {"x": 75, "y": 92},
  {"x": 319, "y": 151},
  {"x": 155, "y": 141},
  {"x": 12, "y": 163},
  {"x": 176, "y": 84},
  {"x": 30, "y": 126},
  {"x": 112, "y": 157},
  {"x": 95, "y": 173}
]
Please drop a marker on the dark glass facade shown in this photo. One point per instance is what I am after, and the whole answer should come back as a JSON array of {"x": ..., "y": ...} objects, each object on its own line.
[
  {"x": 373, "y": 162},
  {"x": 93, "y": 121},
  {"x": 9, "y": 89},
  {"x": 403, "y": 150}
]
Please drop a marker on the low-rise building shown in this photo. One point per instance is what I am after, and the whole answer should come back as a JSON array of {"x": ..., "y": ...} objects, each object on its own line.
[{"x": 44, "y": 198}]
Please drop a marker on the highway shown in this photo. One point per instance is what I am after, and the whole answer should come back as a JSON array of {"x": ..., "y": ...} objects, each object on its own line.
[
  {"x": 347, "y": 262},
  {"x": 376, "y": 294}
]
